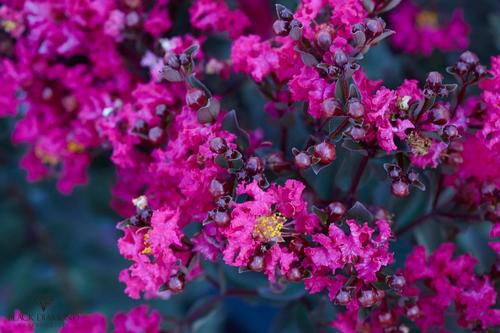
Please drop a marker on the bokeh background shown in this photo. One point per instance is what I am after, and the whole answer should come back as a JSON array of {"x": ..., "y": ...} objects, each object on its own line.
[{"x": 58, "y": 254}]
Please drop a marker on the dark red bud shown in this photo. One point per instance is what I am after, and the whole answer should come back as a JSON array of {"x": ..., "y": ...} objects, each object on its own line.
[
  {"x": 355, "y": 109},
  {"x": 277, "y": 162},
  {"x": 221, "y": 218},
  {"x": 343, "y": 297},
  {"x": 396, "y": 282},
  {"x": 324, "y": 39},
  {"x": 336, "y": 210},
  {"x": 196, "y": 98},
  {"x": 413, "y": 312},
  {"x": 302, "y": 160},
  {"x": 254, "y": 165},
  {"x": 325, "y": 152},
  {"x": 256, "y": 263},
  {"x": 295, "y": 274},
  {"x": 218, "y": 145},
  {"x": 434, "y": 80},
  {"x": 155, "y": 135},
  {"x": 439, "y": 115},
  {"x": 176, "y": 283},
  {"x": 216, "y": 188},
  {"x": 357, "y": 133},
  {"x": 450, "y": 132},
  {"x": 400, "y": 189},
  {"x": 469, "y": 58},
  {"x": 331, "y": 107},
  {"x": 367, "y": 298}
]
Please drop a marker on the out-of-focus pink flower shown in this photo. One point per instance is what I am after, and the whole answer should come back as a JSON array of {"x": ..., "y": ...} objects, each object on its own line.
[
  {"x": 91, "y": 323},
  {"x": 19, "y": 323},
  {"x": 214, "y": 15},
  {"x": 137, "y": 320},
  {"x": 421, "y": 31}
]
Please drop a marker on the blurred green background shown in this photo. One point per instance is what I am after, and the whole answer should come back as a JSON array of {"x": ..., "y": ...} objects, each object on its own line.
[{"x": 59, "y": 253}]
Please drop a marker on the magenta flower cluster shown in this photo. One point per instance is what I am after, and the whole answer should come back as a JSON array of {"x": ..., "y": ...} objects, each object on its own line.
[{"x": 85, "y": 78}]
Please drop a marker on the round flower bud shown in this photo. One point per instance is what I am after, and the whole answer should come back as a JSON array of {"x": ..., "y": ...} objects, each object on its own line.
[
  {"x": 412, "y": 312},
  {"x": 400, "y": 189},
  {"x": 218, "y": 145},
  {"x": 340, "y": 58},
  {"x": 196, "y": 98},
  {"x": 331, "y": 107},
  {"x": 223, "y": 202},
  {"x": 295, "y": 274},
  {"x": 256, "y": 263},
  {"x": 367, "y": 298},
  {"x": 395, "y": 172},
  {"x": 254, "y": 165},
  {"x": 216, "y": 188},
  {"x": 450, "y": 132},
  {"x": 355, "y": 109},
  {"x": 386, "y": 319},
  {"x": 176, "y": 283},
  {"x": 439, "y": 115},
  {"x": 357, "y": 133},
  {"x": 374, "y": 27},
  {"x": 156, "y": 135},
  {"x": 336, "y": 210},
  {"x": 469, "y": 58},
  {"x": 325, "y": 152},
  {"x": 281, "y": 28},
  {"x": 140, "y": 126},
  {"x": 396, "y": 282},
  {"x": 172, "y": 61},
  {"x": 343, "y": 297},
  {"x": 434, "y": 81},
  {"x": 221, "y": 218},
  {"x": 302, "y": 160},
  {"x": 323, "y": 39}
]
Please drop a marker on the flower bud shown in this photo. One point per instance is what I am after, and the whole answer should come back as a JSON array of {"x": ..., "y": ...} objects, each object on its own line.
[
  {"x": 196, "y": 98},
  {"x": 412, "y": 312},
  {"x": 156, "y": 135},
  {"x": 439, "y": 115},
  {"x": 434, "y": 81},
  {"x": 218, "y": 145},
  {"x": 172, "y": 61},
  {"x": 256, "y": 263},
  {"x": 295, "y": 274},
  {"x": 357, "y": 133},
  {"x": 355, "y": 109},
  {"x": 325, "y": 152},
  {"x": 400, "y": 189},
  {"x": 336, "y": 210},
  {"x": 254, "y": 165},
  {"x": 396, "y": 282},
  {"x": 450, "y": 132},
  {"x": 221, "y": 218},
  {"x": 176, "y": 283},
  {"x": 331, "y": 107},
  {"x": 469, "y": 58},
  {"x": 367, "y": 298},
  {"x": 216, "y": 188},
  {"x": 281, "y": 28},
  {"x": 324, "y": 39},
  {"x": 374, "y": 27},
  {"x": 302, "y": 160},
  {"x": 343, "y": 297},
  {"x": 339, "y": 58}
]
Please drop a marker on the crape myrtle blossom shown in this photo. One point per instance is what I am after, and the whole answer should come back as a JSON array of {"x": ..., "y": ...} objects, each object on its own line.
[
  {"x": 137, "y": 320},
  {"x": 195, "y": 188},
  {"x": 420, "y": 30}
]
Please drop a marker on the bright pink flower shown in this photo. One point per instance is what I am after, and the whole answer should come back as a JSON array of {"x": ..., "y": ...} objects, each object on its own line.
[
  {"x": 137, "y": 320},
  {"x": 214, "y": 15},
  {"x": 420, "y": 31},
  {"x": 491, "y": 97},
  {"x": 254, "y": 57},
  {"x": 91, "y": 323},
  {"x": 19, "y": 323}
]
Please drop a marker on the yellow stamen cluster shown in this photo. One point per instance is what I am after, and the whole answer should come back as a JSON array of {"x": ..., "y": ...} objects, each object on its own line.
[
  {"x": 268, "y": 228},
  {"x": 419, "y": 144},
  {"x": 147, "y": 249},
  {"x": 427, "y": 18},
  {"x": 75, "y": 147},
  {"x": 9, "y": 25},
  {"x": 46, "y": 157}
]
